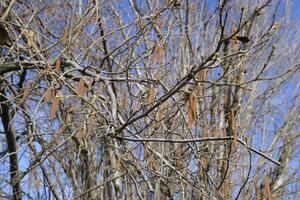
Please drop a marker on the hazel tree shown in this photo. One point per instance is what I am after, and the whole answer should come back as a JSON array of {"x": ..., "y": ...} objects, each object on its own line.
[{"x": 143, "y": 99}]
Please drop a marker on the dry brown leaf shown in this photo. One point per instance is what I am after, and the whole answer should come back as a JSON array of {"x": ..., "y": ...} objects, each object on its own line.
[
  {"x": 178, "y": 155},
  {"x": 48, "y": 95},
  {"x": 225, "y": 190},
  {"x": 64, "y": 38},
  {"x": 192, "y": 109},
  {"x": 203, "y": 163},
  {"x": 54, "y": 108},
  {"x": 57, "y": 65},
  {"x": 80, "y": 87},
  {"x": 37, "y": 183},
  {"x": 146, "y": 151},
  {"x": 202, "y": 74},
  {"x": 267, "y": 189},
  {"x": 70, "y": 168},
  {"x": 138, "y": 165},
  {"x": 158, "y": 53},
  {"x": 159, "y": 115},
  {"x": 151, "y": 164},
  {"x": 58, "y": 134},
  {"x": 151, "y": 95}
]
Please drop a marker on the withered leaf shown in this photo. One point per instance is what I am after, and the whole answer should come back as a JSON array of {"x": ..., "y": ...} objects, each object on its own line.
[
  {"x": 57, "y": 65},
  {"x": 267, "y": 190},
  {"x": 65, "y": 37},
  {"x": 80, "y": 87},
  {"x": 192, "y": 108},
  {"x": 37, "y": 183},
  {"x": 54, "y": 108},
  {"x": 48, "y": 95},
  {"x": 151, "y": 95},
  {"x": 146, "y": 152}
]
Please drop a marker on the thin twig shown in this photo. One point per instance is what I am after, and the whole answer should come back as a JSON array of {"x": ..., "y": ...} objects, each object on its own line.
[{"x": 199, "y": 140}]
